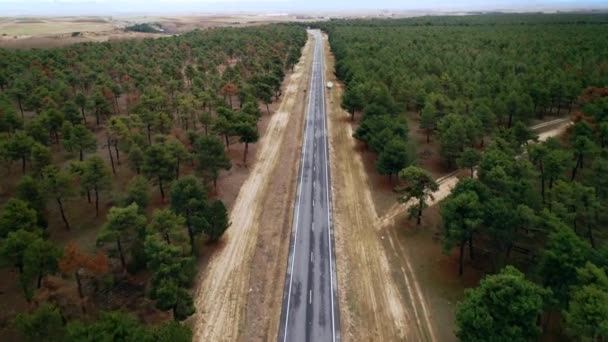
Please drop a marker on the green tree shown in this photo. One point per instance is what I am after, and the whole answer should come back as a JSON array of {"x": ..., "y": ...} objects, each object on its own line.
[
  {"x": 217, "y": 219},
  {"x": 9, "y": 121},
  {"x": 555, "y": 165},
  {"x": 138, "y": 192},
  {"x": 30, "y": 190},
  {"x": 487, "y": 118},
  {"x": 52, "y": 120},
  {"x": 462, "y": 215},
  {"x": 19, "y": 91},
  {"x": 522, "y": 134},
  {"x": 428, "y": 120},
  {"x": 576, "y": 205},
  {"x": 41, "y": 158},
  {"x": 71, "y": 113},
  {"x": 538, "y": 156},
  {"x": 81, "y": 101},
  {"x": 58, "y": 185},
  {"x": 602, "y": 132},
  {"x": 15, "y": 244},
  {"x": 169, "y": 296},
  {"x": 587, "y": 315},
  {"x": 180, "y": 153},
  {"x": 159, "y": 163},
  {"x": 170, "y": 273},
  {"x": 167, "y": 262},
  {"x": 120, "y": 226},
  {"x": 420, "y": 186},
  {"x": 44, "y": 324},
  {"x": 95, "y": 176},
  {"x": 20, "y": 147},
  {"x": 189, "y": 199},
  {"x": 167, "y": 224},
  {"x": 264, "y": 93},
  {"x": 110, "y": 326},
  {"x": 211, "y": 157},
  {"x": 39, "y": 259},
  {"x": 17, "y": 214},
  {"x": 597, "y": 180},
  {"x": 172, "y": 332},
  {"x": 504, "y": 307},
  {"x": 100, "y": 106},
  {"x": 206, "y": 120},
  {"x": 225, "y": 126},
  {"x": 393, "y": 158},
  {"x": 469, "y": 159},
  {"x": 136, "y": 158},
  {"x": 353, "y": 100},
  {"x": 37, "y": 130},
  {"x": 583, "y": 147},
  {"x": 452, "y": 136},
  {"x": 248, "y": 133},
  {"x": 518, "y": 106},
  {"x": 563, "y": 254},
  {"x": 82, "y": 140}
]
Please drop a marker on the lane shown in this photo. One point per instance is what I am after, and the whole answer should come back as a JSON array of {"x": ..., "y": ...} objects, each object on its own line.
[{"x": 310, "y": 311}]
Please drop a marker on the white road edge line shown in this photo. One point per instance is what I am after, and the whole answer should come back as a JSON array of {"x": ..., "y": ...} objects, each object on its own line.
[{"x": 295, "y": 240}]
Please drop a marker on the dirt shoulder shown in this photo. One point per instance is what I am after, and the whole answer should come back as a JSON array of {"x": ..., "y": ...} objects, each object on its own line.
[
  {"x": 272, "y": 247},
  {"x": 239, "y": 293},
  {"x": 372, "y": 305}
]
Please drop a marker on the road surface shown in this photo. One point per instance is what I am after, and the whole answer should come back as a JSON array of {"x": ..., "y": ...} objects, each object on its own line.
[{"x": 310, "y": 305}]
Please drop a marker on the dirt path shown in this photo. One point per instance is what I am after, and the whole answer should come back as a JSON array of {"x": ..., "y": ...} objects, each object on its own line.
[
  {"x": 372, "y": 306},
  {"x": 224, "y": 288},
  {"x": 448, "y": 182}
]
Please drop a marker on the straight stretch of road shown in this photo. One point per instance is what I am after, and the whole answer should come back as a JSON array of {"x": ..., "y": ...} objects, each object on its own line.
[{"x": 310, "y": 306}]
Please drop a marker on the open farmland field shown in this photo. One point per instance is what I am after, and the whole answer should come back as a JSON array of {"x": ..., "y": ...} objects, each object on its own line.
[
  {"x": 54, "y": 26},
  {"x": 48, "y": 32}
]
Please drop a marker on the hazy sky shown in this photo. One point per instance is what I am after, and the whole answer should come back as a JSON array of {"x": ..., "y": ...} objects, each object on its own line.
[{"x": 104, "y": 7}]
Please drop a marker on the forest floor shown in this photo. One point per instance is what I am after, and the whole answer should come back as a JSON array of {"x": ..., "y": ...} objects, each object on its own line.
[
  {"x": 239, "y": 292},
  {"x": 395, "y": 281}
]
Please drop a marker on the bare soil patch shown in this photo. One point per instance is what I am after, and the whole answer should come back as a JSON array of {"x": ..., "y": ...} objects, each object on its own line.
[{"x": 238, "y": 296}]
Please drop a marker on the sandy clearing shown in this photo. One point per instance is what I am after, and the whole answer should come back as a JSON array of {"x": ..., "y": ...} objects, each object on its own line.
[
  {"x": 372, "y": 306},
  {"x": 554, "y": 132},
  {"x": 222, "y": 294}
]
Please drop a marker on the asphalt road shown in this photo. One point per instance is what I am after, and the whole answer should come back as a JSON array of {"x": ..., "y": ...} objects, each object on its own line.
[{"x": 310, "y": 305}]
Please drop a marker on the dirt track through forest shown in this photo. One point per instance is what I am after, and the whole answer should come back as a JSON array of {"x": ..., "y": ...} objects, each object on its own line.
[
  {"x": 221, "y": 298},
  {"x": 448, "y": 182}
]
